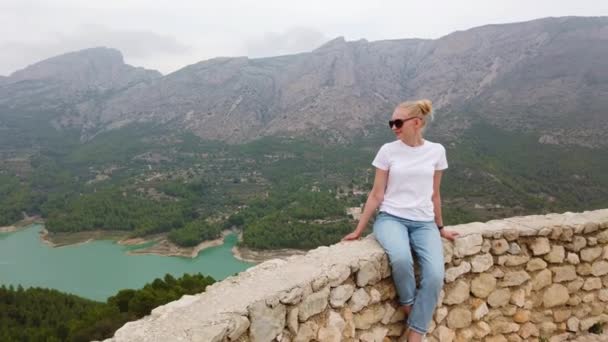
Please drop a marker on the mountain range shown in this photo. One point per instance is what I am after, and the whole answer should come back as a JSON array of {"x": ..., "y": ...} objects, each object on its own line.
[{"x": 548, "y": 77}]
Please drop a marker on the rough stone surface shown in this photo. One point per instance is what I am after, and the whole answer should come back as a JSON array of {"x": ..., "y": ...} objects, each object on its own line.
[
  {"x": 468, "y": 245},
  {"x": 563, "y": 273},
  {"x": 540, "y": 246},
  {"x": 592, "y": 284},
  {"x": 573, "y": 324},
  {"x": 440, "y": 313},
  {"x": 573, "y": 259},
  {"x": 561, "y": 315},
  {"x": 453, "y": 273},
  {"x": 499, "y": 298},
  {"x": 599, "y": 268},
  {"x": 340, "y": 295},
  {"x": 514, "y": 248},
  {"x": 459, "y": 318},
  {"x": 313, "y": 304},
  {"x": 359, "y": 300},
  {"x": 448, "y": 252},
  {"x": 504, "y": 327},
  {"x": 238, "y": 327},
  {"x": 482, "y": 263},
  {"x": 521, "y": 316},
  {"x": 266, "y": 322},
  {"x": 518, "y": 298},
  {"x": 557, "y": 254},
  {"x": 369, "y": 272},
  {"x": 307, "y": 332},
  {"x": 535, "y": 264},
  {"x": 445, "y": 334},
  {"x": 389, "y": 311},
  {"x": 500, "y": 246},
  {"x": 555, "y": 295},
  {"x": 575, "y": 285},
  {"x": 514, "y": 278},
  {"x": 292, "y": 320},
  {"x": 480, "y": 309},
  {"x": 338, "y": 274},
  {"x": 457, "y": 293},
  {"x": 603, "y": 295},
  {"x": 483, "y": 285},
  {"x": 578, "y": 243},
  {"x": 293, "y": 296},
  {"x": 513, "y": 260},
  {"x": 590, "y": 254},
  {"x": 371, "y": 315}
]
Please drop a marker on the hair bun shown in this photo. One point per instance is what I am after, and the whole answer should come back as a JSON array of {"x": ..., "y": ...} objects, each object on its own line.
[{"x": 426, "y": 106}]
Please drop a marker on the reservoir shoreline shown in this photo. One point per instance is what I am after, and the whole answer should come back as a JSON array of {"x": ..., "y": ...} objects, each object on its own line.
[
  {"x": 161, "y": 244},
  {"x": 26, "y": 222}
]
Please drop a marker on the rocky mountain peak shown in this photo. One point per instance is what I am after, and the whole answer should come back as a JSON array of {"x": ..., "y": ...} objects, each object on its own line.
[
  {"x": 89, "y": 68},
  {"x": 336, "y": 43}
]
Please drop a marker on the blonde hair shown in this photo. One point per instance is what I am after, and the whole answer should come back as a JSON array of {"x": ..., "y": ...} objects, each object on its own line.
[{"x": 421, "y": 108}]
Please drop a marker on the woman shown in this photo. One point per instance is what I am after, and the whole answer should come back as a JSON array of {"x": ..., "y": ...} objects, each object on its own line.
[{"x": 406, "y": 188}]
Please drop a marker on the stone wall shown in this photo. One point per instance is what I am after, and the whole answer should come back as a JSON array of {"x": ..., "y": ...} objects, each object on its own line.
[{"x": 521, "y": 278}]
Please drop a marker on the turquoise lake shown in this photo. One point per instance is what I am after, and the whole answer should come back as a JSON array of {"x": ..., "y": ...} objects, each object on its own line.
[{"x": 98, "y": 269}]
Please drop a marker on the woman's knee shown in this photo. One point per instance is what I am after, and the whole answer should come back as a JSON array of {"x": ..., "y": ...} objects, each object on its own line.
[
  {"x": 434, "y": 276},
  {"x": 401, "y": 260}
]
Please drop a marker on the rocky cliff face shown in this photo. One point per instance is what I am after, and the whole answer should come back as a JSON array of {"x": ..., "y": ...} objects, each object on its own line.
[{"x": 548, "y": 76}]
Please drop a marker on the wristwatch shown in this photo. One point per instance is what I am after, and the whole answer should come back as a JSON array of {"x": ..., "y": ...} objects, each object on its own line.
[{"x": 440, "y": 227}]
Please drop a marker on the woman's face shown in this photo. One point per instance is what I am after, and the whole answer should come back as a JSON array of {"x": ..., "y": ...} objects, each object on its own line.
[{"x": 411, "y": 125}]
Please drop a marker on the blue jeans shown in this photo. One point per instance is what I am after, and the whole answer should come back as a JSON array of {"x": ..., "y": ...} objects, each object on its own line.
[{"x": 399, "y": 237}]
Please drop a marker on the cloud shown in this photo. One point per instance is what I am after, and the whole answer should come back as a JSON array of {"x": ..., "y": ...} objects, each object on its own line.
[
  {"x": 135, "y": 45},
  {"x": 294, "y": 40}
]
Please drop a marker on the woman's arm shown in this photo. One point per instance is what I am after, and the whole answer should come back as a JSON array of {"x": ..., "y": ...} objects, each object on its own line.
[
  {"x": 448, "y": 234},
  {"x": 437, "y": 197},
  {"x": 375, "y": 197}
]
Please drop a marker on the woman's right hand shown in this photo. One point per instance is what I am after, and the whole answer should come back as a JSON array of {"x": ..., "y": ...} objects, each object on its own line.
[{"x": 352, "y": 236}]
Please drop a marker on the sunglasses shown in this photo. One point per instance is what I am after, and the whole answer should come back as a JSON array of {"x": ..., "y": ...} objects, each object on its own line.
[{"x": 399, "y": 122}]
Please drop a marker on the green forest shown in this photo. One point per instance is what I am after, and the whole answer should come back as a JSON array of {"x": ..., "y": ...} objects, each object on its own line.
[
  {"x": 38, "y": 314},
  {"x": 281, "y": 192}
]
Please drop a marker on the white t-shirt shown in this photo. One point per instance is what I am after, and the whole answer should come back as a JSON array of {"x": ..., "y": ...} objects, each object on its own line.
[{"x": 410, "y": 178}]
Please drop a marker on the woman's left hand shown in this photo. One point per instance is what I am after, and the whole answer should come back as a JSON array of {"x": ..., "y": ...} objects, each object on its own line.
[{"x": 449, "y": 234}]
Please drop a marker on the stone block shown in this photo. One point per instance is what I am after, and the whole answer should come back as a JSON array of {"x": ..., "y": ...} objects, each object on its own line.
[
  {"x": 454, "y": 272},
  {"x": 459, "y": 318},
  {"x": 340, "y": 295},
  {"x": 499, "y": 298},
  {"x": 266, "y": 322},
  {"x": 555, "y": 295},
  {"x": 557, "y": 255},
  {"x": 540, "y": 246},
  {"x": 457, "y": 293},
  {"x": 313, "y": 304},
  {"x": 369, "y": 316},
  {"x": 359, "y": 300},
  {"x": 369, "y": 272},
  {"x": 563, "y": 273},
  {"x": 514, "y": 278},
  {"x": 535, "y": 264},
  {"x": 467, "y": 245},
  {"x": 482, "y": 263},
  {"x": 499, "y": 247},
  {"x": 483, "y": 285},
  {"x": 590, "y": 254}
]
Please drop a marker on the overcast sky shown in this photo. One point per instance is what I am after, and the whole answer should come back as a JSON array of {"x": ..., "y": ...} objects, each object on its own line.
[{"x": 167, "y": 35}]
